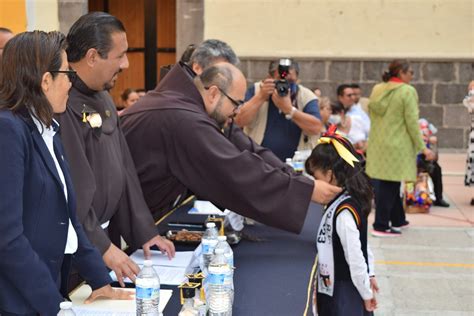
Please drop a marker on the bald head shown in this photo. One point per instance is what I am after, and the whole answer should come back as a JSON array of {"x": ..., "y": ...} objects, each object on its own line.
[{"x": 221, "y": 74}]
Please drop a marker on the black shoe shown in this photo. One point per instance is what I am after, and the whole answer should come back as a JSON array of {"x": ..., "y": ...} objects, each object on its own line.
[{"x": 441, "y": 203}]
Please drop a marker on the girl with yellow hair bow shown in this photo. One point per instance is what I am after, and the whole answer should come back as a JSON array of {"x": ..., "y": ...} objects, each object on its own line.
[{"x": 345, "y": 279}]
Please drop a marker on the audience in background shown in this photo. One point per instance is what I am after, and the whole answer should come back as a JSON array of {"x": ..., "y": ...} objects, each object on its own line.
[
  {"x": 318, "y": 92},
  {"x": 469, "y": 103},
  {"x": 141, "y": 92},
  {"x": 128, "y": 97},
  {"x": 358, "y": 131},
  {"x": 394, "y": 142},
  {"x": 5, "y": 36},
  {"x": 325, "y": 112},
  {"x": 282, "y": 124}
]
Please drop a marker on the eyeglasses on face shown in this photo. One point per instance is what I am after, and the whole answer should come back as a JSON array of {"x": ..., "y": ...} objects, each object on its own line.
[
  {"x": 237, "y": 103},
  {"x": 71, "y": 74}
]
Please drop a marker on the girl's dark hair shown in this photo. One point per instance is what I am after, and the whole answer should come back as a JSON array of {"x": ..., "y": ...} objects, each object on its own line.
[
  {"x": 126, "y": 93},
  {"x": 324, "y": 157},
  {"x": 395, "y": 68},
  {"x": 26, "y": 58}
]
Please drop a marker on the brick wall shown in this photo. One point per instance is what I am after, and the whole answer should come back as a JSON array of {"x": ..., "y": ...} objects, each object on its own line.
[{"x": 441, "y": 87}]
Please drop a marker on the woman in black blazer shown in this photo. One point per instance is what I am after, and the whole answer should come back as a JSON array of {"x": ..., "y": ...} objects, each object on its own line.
[{"x": 38, "y": 224}]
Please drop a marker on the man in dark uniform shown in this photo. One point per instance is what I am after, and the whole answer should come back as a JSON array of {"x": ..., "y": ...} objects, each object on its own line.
[
  {"x": 102, "y": 169},
  {"x": 176, "y": 138}
]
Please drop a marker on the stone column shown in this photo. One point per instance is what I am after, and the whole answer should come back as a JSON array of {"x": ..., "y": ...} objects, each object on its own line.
[
  {"x": 189, "y": 24},
  {"x": 69, "y": 11}
]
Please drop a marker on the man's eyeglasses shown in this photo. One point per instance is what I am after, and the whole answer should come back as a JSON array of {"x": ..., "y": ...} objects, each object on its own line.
[
  {"x": 71, "y": 74},
  {"x": 237, "y": 103}
]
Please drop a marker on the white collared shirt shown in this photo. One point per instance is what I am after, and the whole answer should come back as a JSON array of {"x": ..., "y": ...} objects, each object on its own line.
[{"x": 48, "y": 134}]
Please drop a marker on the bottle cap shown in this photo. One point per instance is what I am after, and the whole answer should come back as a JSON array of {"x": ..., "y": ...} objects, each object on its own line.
[
  {"x": 222, "y": 238},
  {"x": 210, "y": 225},
  {"x": 65, "y": 305},
  {"x": 147, "y": 263}
]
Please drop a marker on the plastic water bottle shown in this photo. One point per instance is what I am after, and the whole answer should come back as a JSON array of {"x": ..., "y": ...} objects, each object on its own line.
[
  {"x": 298, "y": 162},
  {"x": 147, "y": 294},
  {"x": 228, "y": 253},
  {"x": 66, "y": 309},
  {"x": 219, "y": 296},
  {"x": 208, "y": 243},
  {"x": 229, "y": 256},
  {"x": 289, "y": 162}
]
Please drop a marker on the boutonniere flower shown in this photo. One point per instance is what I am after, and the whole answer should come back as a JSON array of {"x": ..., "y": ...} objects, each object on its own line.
[
  {"x": 94, "y": 120},
  {"x": 92, "y": 116}
]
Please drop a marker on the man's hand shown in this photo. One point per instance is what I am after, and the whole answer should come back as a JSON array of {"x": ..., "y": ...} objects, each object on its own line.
[
  {"x": 282, "y": 103},
  {"x": 163, "y": 244},
  {"x": 122, "y": 265},
  {"x": 324, "y": 192},
  {"x": 109, "y": 293},
  {"x": 266, "y": 89},
  {"x": 370, "y": 305}
]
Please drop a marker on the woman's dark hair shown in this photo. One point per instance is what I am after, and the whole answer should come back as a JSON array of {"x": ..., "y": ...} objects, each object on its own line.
[
  {"x": 92, "y": 30},
  {"x": 337, "y": 108},
  {"x": 126, "y": 93},
  {"x": 324, "y": 157},
  {"x": 26, "y": 58},
  {"x": 394, "y": 69}
]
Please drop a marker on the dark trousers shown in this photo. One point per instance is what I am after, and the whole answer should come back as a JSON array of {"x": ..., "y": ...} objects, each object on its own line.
[
  {"x": 388, "y": 204},
  {"x": 345, "y": 301},
  {"x": 437, "y": 178}
]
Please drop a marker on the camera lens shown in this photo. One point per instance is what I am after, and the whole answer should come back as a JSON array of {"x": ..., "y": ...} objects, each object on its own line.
[{"x": 282, "y": 86}]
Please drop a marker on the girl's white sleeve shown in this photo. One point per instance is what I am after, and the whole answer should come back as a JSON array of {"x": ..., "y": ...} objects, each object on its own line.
[
  {"x": 371, "y": 259},
  {"x": 350, "y": 239}
]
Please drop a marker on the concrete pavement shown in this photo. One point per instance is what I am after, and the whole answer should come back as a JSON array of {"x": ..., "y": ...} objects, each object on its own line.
[{"x": 429, "y": 270}]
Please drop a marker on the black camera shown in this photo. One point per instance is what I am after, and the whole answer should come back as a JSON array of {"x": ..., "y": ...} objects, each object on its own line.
[{"x": 282, "y": 85}]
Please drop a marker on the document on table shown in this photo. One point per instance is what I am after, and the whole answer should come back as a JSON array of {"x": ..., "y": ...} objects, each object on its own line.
[
  {"x": 206, "y": 208},
  {"x": 167, "y": 275},
  {"x": 170, "y": 272},
  {"x": 181, "y": 258},
  {"x": 110, "y": 307}
]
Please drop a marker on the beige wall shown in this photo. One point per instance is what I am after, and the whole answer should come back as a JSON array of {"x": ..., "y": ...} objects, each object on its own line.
[
  {"x": 42, "y": 15},
  {"x": 353, "y": 28}
]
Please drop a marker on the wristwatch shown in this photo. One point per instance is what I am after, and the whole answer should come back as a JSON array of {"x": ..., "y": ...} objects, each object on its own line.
[{"x": 289, "y": 116}]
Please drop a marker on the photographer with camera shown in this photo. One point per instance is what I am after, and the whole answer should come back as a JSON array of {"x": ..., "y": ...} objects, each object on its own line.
[{"x": 280, "y": 114}]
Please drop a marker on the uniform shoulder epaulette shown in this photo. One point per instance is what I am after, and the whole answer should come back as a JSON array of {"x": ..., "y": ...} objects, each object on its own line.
[{"x": 352, "y": 210}]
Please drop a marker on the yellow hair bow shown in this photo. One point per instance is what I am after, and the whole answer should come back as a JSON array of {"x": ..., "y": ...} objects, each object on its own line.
[{"x": 341, "y": 150}]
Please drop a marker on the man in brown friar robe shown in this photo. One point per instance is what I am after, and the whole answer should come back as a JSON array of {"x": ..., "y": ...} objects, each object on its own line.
[
  {"x": 102, "y": 169},
  {"x": 176, "y": 140}
]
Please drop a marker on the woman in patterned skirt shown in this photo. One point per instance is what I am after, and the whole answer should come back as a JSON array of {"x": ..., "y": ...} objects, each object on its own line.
[{"x": 469, "y": 103}]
